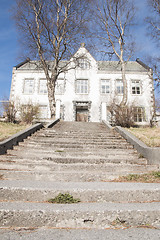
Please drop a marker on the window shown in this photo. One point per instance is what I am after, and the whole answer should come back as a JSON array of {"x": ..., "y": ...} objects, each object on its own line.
[
  {"x": 42, "y": 86},
  {"x": 59, "y": 86},
  {"x": 83, "y": 63},
  {"x": 105, "y": 85},
  {"x": 139, "y": 114},
  {"x": 119, "y": 86},
  {"x": 136, "y": 87},
  {"x": 28, "y": 86},
  {"x": 82, "y": 86}
]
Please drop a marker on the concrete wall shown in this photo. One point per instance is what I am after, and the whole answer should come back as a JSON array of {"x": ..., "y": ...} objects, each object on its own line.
[
  {"x": 151, "y": 154},
  {"x": 18, "y": 137}
]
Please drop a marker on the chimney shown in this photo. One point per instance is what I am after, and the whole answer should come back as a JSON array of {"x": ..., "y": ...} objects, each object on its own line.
[{"x": 82, "y": 44}]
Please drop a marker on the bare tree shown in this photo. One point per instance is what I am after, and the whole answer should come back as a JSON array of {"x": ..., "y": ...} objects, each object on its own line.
[
  {"x": 114, "y": 18},
  {"x": 50, "y": 30},
  {"x": 153, "y": 21}
]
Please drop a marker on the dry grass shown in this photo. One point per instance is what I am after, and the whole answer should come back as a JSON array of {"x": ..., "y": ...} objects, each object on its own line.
[
  {"x": 8, "y": 129},
  {"x": 150, "y": 136},
  {"x": 153, "y": 177}
]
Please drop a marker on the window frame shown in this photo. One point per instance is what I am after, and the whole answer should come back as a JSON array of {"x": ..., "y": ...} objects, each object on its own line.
[
  {"x": 24, "y": 86},
  {"x": 42, "y": 93},
  {"x": 139, "y": 114},
  {"x": 121, "y": 87},
  {"x": 136, "y": 84},
  {"x": 105, "y": 86},
  {"x": 57, "y": 88},
  {"x": 80, "y": 87}
]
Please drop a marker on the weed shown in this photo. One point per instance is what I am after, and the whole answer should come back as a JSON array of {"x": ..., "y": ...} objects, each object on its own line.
[
  {"x": 147, "y": 177},
  {"x": 64, "y": 198},
  {"x": 132, "y": 177},
  {"x": 119, "y": 222},
  {"x": 156, "y": 174}
]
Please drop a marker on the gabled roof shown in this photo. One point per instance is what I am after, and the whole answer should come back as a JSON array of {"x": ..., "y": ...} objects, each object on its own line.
[
  {"x": 112, "y": 66},
  {"x": 22, "y": 63},
  {"x": 36, "y": 65}
]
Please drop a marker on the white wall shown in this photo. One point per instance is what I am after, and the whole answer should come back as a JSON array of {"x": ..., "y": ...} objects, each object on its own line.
[{"x": 99, "y": 101}]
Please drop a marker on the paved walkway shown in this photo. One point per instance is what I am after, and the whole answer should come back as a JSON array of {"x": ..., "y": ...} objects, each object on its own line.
[{"x": 80, "y": 234}]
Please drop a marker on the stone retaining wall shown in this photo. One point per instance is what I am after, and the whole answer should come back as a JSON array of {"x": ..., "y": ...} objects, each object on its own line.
[
  {"x": 18, "y": 137},
  {"x": 151, "y": 154}
]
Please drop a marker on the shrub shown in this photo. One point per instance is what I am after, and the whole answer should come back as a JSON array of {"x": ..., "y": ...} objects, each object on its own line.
[
  {"x": 10, "y": 110},
  {"x": 29, "y": 112},
  {"x": 122, "y": 115},
  {"x": 64, "y": 198}
]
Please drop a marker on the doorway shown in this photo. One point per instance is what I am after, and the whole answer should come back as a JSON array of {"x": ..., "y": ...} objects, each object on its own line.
[
  {"x": 82, "y": 114},
  {"x": 82, "y": 111}
]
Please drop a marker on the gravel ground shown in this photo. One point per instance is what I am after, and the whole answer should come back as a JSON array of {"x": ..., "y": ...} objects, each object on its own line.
[{"x": 80, "y": 234}]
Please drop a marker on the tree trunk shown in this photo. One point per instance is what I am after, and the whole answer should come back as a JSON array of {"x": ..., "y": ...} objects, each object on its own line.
[
  {"x": 51, "y": 97},
  {"x": 125, "y": 88}
]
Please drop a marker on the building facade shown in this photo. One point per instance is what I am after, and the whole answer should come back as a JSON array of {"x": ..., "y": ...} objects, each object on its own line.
[{"x": 83, "y": 93}]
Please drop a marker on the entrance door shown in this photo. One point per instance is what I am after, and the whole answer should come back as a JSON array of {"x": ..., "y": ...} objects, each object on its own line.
[{"x": 81, "y": 115}]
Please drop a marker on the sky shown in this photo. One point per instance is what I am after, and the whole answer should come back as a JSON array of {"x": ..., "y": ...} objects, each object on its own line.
[{"x": 9, "y": 46}]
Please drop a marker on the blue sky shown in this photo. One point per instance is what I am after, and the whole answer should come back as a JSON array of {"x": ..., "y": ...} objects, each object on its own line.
[{"x": 9, "y": 47}]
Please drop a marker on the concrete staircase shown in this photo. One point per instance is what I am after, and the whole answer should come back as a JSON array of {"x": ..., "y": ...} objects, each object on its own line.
[{"x": 81, "y": 159}]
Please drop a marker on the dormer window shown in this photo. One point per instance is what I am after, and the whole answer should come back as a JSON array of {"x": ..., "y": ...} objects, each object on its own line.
[{"x": 83, "y": 63}]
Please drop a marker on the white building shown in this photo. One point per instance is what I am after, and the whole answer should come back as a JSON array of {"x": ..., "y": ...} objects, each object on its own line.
[{"x": 85, "y": 92}]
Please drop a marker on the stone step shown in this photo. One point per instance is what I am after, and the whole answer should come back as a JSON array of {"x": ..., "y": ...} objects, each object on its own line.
[
  {"x": 56, "y": 154},
  {"x": 44, "y": 165},
  {"x": 81, "y": 215},
  {"x": 106, "y": 135},
  {"x": 139, "y": 232},
  {"x": 71, "y": 129},
  {"x": 63, "y": 176},
  {"x": 20, "y": 190},
  {"x": 69, "y": 136},
  {"x": 77, "y": 145},
  {"x": 73, "y": 139},
  {"x": 81, "y": 137},
  {"x": 78, "y": 140},
  {"x": 53, "y": 149},
  {"x": 70, "y": 159}
]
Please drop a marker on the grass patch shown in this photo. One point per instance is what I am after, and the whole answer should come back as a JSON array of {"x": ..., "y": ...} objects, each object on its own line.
[
  {"x": 153, "y": 177},
  {"x": 65, "y": 198},
  {"x": 8, "y": 129},
  {"x": 60, "y": 151},
  {"x": 150, "y": 136}
]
